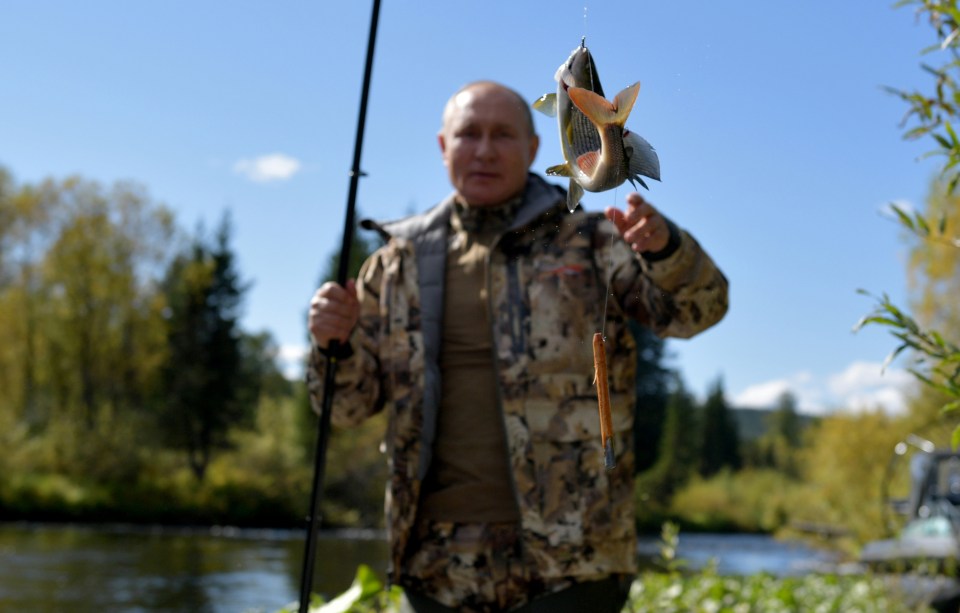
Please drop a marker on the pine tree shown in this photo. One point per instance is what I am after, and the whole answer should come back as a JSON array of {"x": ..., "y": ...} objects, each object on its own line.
[
  {"x": 720, "y": 442},
  {"x": 653, "y": 390},
  {"x": 677, "y": 448},
  {"x": 208, "y": 389}
]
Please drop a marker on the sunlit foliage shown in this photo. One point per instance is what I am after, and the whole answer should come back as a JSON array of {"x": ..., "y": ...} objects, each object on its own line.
[{"x": 931, "y": 335}]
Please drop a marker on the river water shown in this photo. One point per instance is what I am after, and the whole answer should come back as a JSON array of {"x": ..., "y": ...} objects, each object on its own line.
[{"x": 146, "y": 570}]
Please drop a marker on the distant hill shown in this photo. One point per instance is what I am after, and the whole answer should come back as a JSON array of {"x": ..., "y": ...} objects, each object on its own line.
[{"x": 752, "y": 423}]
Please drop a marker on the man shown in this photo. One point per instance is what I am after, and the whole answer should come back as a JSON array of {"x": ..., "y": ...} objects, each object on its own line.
[{"x": 472, "y": 327}]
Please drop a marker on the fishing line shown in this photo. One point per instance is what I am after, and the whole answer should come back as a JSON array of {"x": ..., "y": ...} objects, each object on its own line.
[{"x": 606, "y": 295}]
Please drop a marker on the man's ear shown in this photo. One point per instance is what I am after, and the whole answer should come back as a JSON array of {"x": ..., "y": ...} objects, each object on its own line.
[{"x": 534, "y": 147}]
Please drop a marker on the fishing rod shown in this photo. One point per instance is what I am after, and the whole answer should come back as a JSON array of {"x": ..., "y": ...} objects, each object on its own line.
[{"x": 323, "y": 428}]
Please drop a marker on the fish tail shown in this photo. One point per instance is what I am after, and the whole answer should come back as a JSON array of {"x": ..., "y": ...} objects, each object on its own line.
[{"x": 601, "y": 111}]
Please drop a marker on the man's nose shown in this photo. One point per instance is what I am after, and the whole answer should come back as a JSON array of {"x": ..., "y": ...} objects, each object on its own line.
[{"x": 485, "y": 146}]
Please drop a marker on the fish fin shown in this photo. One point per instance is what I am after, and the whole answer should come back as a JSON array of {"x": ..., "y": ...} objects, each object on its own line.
[
  {"x": 547, "y": 104},
  {"x": 574, "y": 194},
  {"x": 560, "y": 170},
  {"x": 600, "y": 110},
  {"x": 625, "y": 100},
  {"x": 642, "y": 159},
  {"x": 588, "y": 161}
]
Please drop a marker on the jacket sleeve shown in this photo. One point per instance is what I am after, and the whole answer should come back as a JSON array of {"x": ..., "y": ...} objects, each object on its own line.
[
  {"x": 358, "y": 390},
  {"x": 678, "y": 296}
]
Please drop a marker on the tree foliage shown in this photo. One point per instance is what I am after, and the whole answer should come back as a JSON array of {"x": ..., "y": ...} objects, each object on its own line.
[
  {"x": 653, "y": 381},
  {"x": 777, "y": 447},
  {"x": 208, "y": 391},
  {"x": 80, "y": 322},
  {"x": 843, "y": 467},
  {"x": 677, "y": 449},
  {"x": 935, "y": 260},
  {"x": 720, "y": 440}
]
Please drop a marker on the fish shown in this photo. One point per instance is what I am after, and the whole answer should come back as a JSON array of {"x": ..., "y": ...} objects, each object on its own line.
[{"x": 599, "y": 152}]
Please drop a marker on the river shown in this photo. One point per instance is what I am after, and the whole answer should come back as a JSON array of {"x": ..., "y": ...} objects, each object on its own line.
[{"x": 122, "y": 569}]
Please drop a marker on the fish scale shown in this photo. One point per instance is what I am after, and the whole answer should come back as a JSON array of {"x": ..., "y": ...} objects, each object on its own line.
[{"x": 584, "y": 136}]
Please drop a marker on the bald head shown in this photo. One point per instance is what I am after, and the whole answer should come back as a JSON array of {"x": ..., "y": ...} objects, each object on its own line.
[{"x": 458, "y": 99}]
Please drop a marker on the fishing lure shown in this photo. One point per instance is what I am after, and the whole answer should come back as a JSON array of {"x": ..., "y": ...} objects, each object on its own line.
[{"x": 603, "y": 399}]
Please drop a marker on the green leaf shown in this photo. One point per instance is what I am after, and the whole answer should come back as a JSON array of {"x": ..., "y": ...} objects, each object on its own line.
[
  {"x": 953, "y": 135},
  {"x": 902, "y": 216},
  {"x": 365, "y": 585},
  {"x": 880, "y": 320},
  {"x": 940, "y": 140},
  {"x": 890, "y": 358}
]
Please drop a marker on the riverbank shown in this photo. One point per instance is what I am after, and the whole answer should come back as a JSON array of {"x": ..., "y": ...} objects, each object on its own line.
[{"x": 125, "y": 568}]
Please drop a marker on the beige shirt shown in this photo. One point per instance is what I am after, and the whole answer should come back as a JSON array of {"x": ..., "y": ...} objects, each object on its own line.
[{"x": 469, "y": 478}]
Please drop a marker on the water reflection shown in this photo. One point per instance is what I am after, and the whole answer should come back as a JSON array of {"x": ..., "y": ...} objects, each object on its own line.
[
  {"x": 128, "y": 569},
  {"x": 45, "y": 568}
]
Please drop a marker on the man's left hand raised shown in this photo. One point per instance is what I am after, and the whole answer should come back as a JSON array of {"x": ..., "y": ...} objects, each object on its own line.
[{"x": 640, "y": 225}]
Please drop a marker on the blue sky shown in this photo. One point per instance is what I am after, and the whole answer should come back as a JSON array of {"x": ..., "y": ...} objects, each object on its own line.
[{"x": 778, "y": 146}]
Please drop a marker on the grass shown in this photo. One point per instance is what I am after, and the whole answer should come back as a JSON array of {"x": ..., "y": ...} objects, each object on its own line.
[
  {"x": 704, "y": 592},
  {"x": 675, "y": 591}
]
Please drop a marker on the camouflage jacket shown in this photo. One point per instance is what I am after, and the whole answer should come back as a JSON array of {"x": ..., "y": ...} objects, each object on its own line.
[{"x": 548, "y": 277}]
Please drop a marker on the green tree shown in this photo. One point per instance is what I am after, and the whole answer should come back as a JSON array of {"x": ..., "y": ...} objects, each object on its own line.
[
  {"x": 653, "y": 381},
  {"x": 28, "y": 225},
  {"x": 842, "y": 468},
  {"x": 777, "y": 447},
  {"x": 208, "y": 389},
  {"x": 720, "y": 440},
  {"x": 81, "y": 340},
  {"x": 259, "y": 355},
  {"x": 677, "y": 449},
  {"x": 784, "y": 422}
]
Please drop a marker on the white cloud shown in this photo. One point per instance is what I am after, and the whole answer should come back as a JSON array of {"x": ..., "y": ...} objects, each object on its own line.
[
  {"x": 291, "y": 359},
  {"x": 801, "y": 385},
  {"x": 762, "y": 394},
  {"x": 865, "y": 385},
  {"x": 266, "y": 168},
  {"x": 861, "y": 386}
]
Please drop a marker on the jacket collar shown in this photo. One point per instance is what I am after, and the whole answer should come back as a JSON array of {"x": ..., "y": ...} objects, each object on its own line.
[{"x": 539, "y": 197}]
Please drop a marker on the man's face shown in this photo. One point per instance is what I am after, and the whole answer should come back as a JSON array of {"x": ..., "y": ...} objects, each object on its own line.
[{"x": 487, "y": 145}]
